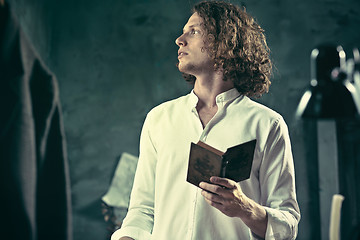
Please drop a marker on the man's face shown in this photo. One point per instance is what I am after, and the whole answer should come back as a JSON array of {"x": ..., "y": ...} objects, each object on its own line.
[{"x": 193, "y": 56}]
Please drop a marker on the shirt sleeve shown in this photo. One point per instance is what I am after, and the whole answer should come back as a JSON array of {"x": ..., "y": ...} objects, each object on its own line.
[
  {"x": 138, "y": 222},
  {"x": 277, "y": 183}
]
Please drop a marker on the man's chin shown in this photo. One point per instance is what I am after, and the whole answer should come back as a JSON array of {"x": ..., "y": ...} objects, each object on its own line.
[
  {"x": 185, "y": 69},
  {"x": 181, "y": 70}
]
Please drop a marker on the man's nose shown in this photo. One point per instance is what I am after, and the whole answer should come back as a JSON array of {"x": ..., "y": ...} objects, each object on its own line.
[{"x": 180, "y": 41}]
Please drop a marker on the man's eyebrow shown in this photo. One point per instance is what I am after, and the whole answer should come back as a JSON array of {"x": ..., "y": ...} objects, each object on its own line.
[{"x": 192, "y": 25}]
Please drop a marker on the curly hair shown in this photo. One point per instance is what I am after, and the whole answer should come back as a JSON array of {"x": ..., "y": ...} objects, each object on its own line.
[{"x": 238, "y": 46}]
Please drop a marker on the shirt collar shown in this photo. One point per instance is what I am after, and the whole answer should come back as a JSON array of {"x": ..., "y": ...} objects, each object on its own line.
[
  {"x": 221, "y": 99},
  {"x": 227, "y": 96}
]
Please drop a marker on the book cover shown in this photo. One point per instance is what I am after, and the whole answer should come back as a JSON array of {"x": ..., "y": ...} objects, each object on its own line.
[{"x": 206, "y": 161}]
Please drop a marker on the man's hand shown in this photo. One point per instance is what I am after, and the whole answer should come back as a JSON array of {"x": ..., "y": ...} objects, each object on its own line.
[
  {"x": 227, "y": 196},
  {"x": 224, "y": 195}
]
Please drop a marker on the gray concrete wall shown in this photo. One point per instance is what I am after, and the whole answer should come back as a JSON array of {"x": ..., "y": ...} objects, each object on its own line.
[{"x": 115, "y": 60}]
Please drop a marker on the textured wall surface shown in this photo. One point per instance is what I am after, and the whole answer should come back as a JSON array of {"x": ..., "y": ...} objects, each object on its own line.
[{"x": 115, "y": 60}]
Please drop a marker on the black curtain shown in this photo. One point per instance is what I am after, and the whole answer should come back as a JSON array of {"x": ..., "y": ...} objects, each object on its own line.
[{"x": 34, "y": 176}]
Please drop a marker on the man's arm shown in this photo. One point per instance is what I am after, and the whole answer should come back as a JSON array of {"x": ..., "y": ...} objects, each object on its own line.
[
  {"x": 226, "y": 196},
  {"x": 139, "y": 219},
  {"x": 278, "y": 196}
]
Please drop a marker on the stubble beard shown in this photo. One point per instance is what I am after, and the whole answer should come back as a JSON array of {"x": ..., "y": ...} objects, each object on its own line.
[
  {"x": 186, "y": 68},
  {"x": 190, "y": 68}
]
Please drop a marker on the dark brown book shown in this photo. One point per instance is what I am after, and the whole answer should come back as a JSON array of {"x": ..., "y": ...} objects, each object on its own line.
[{"x": 206, "y": 161}]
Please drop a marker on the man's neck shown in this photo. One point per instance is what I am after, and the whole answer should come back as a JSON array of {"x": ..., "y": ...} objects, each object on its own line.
[{"x": 207, "y": 87}]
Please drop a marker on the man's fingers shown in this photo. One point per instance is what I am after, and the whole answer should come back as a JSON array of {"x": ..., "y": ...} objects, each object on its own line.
[
  {"x": 211, "y": 197},
  {"x": 213, "y": 188},
  {"x": 223, "y": 182},
  {"x": 214, "y": 204}
]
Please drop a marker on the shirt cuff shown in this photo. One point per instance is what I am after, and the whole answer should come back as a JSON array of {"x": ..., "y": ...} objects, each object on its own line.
[
  {"x": 280, "y": 225},
  {"x": 133, "y": 232}
]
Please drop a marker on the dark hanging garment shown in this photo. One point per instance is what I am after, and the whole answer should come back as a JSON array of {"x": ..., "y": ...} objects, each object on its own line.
[{"x": 34, "y": 175}]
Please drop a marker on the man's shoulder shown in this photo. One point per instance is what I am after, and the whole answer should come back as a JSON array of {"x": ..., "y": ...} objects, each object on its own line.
[
  {"x": 266, "y": 118},
  {"x": 261, "y": 110}
]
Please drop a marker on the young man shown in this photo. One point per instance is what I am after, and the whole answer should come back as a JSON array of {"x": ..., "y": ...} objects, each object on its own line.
[{"x": 223, "y": 52}]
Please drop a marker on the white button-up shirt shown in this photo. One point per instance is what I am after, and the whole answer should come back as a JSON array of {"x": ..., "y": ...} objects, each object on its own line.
[{"x": 163, "y": 205}]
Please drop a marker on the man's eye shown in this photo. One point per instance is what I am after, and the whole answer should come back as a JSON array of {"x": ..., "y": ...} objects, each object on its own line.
[{"x": 194, "y": 31}]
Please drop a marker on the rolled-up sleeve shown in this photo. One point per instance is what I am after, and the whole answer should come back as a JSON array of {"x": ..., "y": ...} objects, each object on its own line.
[
  {"x": 139, "y": 220},
  {"x": 277, "y": 183}
]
